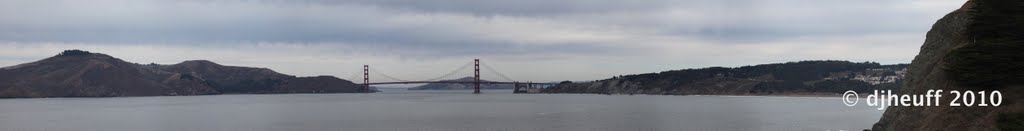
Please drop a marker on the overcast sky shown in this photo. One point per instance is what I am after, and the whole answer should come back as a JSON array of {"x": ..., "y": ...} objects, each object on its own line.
[{"x": 528, "y": 40}]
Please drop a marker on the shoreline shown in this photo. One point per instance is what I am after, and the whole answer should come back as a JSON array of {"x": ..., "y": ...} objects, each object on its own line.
[{"x": 740, "y": 95}]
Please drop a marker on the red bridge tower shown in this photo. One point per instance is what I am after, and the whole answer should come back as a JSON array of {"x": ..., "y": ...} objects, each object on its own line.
[
  {"x": 476, "y": 76},
  {"x": 366, "y": 78}
]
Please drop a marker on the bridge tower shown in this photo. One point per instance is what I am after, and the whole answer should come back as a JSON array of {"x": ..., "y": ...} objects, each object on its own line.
[
  {"x": 366, "y": 78},
  {"x": 476, "y": 76}
]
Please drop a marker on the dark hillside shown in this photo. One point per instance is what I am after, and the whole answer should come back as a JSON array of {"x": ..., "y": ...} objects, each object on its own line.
[{"x": 781, "y": 78}]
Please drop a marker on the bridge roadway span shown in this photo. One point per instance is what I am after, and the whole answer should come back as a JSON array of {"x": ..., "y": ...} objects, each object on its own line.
[
  {"x": 464, "y": 82},
  {"x": 476, "y": 79}
]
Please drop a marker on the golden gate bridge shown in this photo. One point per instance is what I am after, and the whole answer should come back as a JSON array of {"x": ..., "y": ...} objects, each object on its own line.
[{"x": 518, "y": 87}]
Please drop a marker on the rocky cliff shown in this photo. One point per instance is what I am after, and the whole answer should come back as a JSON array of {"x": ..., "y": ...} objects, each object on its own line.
[
  {"x": 805, "y": 77},
  {"x": 76, "y": 73},
  {"x": 977, "y": 47}
]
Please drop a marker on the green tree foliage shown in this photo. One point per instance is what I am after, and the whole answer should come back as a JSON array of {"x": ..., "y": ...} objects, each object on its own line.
[{"x": 74, "y": 52}]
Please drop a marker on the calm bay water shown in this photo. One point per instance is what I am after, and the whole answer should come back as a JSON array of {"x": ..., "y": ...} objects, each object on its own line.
[{"x": 435, "y": 110}]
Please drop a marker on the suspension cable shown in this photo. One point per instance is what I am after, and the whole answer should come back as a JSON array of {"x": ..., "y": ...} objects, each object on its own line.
[
  {"x": 355, "y": 75},
  {"x": 450, "y": 73},
  {"x": 387, "y": 76},
  {"x": 375, "y": 71},
  {"x": 453, "y": 72},
  {"x": 489, "y": 68}
]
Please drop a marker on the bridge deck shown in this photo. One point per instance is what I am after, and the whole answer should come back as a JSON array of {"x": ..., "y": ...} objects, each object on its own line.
[{"x": 466, "y": 82}]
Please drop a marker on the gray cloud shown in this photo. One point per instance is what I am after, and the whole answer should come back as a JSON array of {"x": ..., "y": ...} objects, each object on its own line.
[
  {"x": 503, "y": 7},
  {"x": 667, "y": 32},
  {"x": 441, "y": 22},
  {"x": 247, "y": 22}
]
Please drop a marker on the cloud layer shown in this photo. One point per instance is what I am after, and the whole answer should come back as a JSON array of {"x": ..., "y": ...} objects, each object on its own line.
[{"x": 537, "y": 39}]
